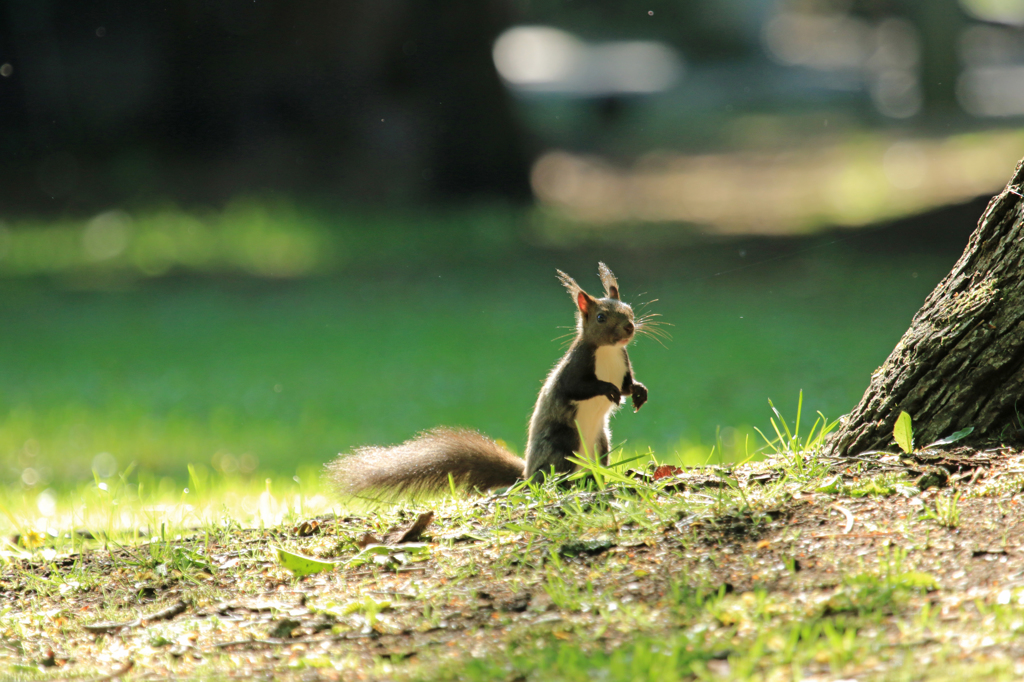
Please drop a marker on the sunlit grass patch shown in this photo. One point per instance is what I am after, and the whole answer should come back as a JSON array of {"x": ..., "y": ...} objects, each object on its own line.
[
  {"x": 130, "y": 509},
  {"x": 263, "y": 238},
  {"x": 247, "y": 237}
]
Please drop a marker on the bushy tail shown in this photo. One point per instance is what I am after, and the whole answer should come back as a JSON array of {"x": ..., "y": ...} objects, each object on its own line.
[{"x": 424, "y": 464}]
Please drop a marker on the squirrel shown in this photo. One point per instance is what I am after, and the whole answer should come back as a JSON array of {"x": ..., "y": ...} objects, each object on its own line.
[{"x": 577, "y": 399}]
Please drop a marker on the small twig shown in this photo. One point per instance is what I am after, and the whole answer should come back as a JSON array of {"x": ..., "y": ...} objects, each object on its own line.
[
  {"x": 849, "y": 517},
  {"x": 975, "y": 475},
  {"x": 163, "y": 614},
  {"x": 873, "y": 534},
  {"x": 1006, "y": 472},
  {"x": 862, "y": 457},
  {"x": 297, "y": 640},
  {"x": 125, "y": 667},
  {"x": 109, "y": 626},
  {"x": 167, "y": 613},
  {"x": 241, "y": 642}
]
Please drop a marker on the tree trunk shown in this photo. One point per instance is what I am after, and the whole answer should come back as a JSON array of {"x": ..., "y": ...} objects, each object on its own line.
[{"x": 961, "y": 363}]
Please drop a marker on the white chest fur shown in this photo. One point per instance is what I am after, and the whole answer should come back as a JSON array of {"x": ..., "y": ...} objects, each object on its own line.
[{"x": 592, "y": 414}]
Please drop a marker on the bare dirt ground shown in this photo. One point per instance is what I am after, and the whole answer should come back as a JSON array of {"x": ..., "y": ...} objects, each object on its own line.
[{"x": 846, "y": 572}]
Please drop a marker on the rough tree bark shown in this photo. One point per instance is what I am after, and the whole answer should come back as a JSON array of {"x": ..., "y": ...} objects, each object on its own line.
[{"x": 961, "y": 363}]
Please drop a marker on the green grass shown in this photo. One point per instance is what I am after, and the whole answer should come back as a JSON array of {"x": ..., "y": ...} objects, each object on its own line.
[{"x": 246, "y": 375}]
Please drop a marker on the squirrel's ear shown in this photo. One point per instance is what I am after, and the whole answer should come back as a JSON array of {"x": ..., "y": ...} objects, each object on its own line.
[
  {"x": 584, "y": 301},
  {"x": 611, "y": 285}
]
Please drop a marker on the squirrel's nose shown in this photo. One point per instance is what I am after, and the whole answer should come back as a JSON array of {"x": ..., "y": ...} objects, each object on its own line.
[{"x": 629, "y": 328}]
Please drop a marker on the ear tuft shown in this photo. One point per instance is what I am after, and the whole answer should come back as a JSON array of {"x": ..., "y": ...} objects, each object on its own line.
[
  {"x": 569, "y": 283},
  {"x": 611, "y": 285},
  {"x": 582, "y": 298}
]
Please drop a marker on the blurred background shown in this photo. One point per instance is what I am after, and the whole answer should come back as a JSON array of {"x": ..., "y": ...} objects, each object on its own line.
[{"x": 250, "y": 234}]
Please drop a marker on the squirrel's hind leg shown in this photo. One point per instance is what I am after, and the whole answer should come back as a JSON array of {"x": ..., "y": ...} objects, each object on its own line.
[{"x": 551, "y": 450}]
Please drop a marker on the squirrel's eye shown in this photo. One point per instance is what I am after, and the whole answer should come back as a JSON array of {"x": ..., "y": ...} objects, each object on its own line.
[{"x": 601, "y": 317}]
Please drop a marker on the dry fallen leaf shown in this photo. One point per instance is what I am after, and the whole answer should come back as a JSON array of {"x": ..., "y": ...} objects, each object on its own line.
[
  {"x": 307, "y": 528},
  {"x": 666, "y": 470},
  {"x": 409, "y": 532}
]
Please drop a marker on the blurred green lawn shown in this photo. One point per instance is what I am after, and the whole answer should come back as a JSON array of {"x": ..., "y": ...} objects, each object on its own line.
[{"x": 246, "y": 374}]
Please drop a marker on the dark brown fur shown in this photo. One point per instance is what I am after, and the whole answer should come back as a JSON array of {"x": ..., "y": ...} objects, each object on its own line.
[{"x": 424, "y": 463}]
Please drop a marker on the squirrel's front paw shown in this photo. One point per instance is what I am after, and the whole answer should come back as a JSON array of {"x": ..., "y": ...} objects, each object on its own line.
[
  {"x": 613, "y": 394},
  {"x": 639, "y": 395}
]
